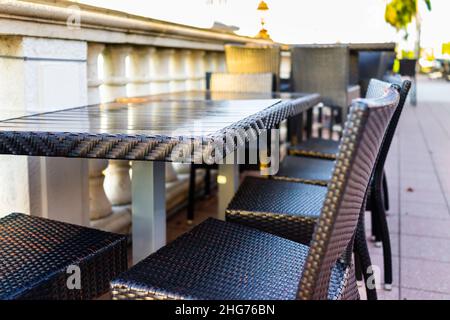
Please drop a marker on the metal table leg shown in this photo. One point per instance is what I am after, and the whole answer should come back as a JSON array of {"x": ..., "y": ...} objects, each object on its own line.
[
  {"x": 148, "y": 207},
  {"x": 309, "y": 123}
]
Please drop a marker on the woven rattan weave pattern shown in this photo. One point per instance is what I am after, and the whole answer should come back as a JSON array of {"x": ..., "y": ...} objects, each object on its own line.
[
  {"x": 307, "y": 170},
  {"x": 316, "y": 148},
  {"x": 285, "y": 216},
  {"x": 241, "y": 82},
  {"x": 222, "y": 261},
  {"x": 147, "y": 130},
  {"x": 35, "y": 254},
  {"x": 326, "y": 148},
  {"x": 318, "y": 171},
  {"x": 361, "y": 141},
  {"x": 287, "y": 209},
  {"x": 241, "y": 59}
]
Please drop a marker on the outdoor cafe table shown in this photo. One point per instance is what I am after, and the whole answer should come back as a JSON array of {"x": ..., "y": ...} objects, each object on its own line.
[{"x": 146, "y": 130}]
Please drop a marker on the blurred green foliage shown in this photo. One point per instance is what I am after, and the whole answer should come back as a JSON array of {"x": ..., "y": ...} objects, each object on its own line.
[
  {"x": 446, "y": 48},
  {"x": 400, "y": 13}
]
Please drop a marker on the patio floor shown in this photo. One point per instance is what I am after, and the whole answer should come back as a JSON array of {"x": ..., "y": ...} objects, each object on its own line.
[{"x": 418, "y": 171}]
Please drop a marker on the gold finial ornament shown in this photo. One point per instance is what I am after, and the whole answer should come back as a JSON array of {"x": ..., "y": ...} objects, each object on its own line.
[
  {"x": 262, "y": 6},
  {"x": 262, "y": 10},
  {"x": 263, "y": 34}
]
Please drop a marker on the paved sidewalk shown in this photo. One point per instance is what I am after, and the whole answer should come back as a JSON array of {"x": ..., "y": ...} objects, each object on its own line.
[{"x": 418, "y": 171}]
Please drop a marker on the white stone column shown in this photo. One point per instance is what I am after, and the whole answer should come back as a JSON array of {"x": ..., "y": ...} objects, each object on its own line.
[
  {"x": 41, "y": 75},
  {"x": 161, "y": 63},
  {"x": 117, "y": 182}
]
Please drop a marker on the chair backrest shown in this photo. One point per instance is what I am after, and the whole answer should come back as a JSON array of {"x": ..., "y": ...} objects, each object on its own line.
[
  {"x": 373, "y": 64},
  {"x": 386, "y": 145},
  {"x": 387, "y": 62},
  {"x": 408, "y": 67},
  {"x": 240, "y": 82},
  {"x": 360, "y": 145},
  {"x": 377, "y": 88},
  {"x": 243, "y": 59},
  {"x": 322, "y": 69}
]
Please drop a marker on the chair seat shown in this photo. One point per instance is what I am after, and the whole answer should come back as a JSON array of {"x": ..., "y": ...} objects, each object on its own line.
[
  {"x": 35, "y": 254},
  {"x": 286, "y": 209},
  {"x": 311, "y": 171},
  {"x": 223, "y": 261},
  {"x": 316, "y": 148},
  {"x": 308, "y": 170}
]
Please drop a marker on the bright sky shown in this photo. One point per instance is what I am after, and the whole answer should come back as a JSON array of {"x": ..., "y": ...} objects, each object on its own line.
[{"x": 294, "y": 21}]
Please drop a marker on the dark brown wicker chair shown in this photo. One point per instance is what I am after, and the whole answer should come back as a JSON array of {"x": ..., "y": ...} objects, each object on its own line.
[
  {"x": 35, "y": 255},
  {"x": 223, "y": 260},
  {"x": 318, "y": 171},
  {"x": 294, "y": 212},
  {"x": 329, "y": 71}
]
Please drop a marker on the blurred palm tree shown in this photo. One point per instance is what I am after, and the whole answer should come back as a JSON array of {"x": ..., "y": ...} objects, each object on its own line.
[{"x": 400, "y": 13}]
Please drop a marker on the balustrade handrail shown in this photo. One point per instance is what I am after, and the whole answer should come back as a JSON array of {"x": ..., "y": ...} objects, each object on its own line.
[{"x": 94, "y": 22}]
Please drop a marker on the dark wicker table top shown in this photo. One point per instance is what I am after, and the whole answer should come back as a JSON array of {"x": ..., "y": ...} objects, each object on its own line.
[{"x": 145, "y": 128}]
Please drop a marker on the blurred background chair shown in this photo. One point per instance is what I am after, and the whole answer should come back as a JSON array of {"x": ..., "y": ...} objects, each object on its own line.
[
  {"x": 241, "y": 82},
  {"x": 326, "y": 70},
  {"x": 374, "y": 65},
  {"x": 244, "y": 59}
]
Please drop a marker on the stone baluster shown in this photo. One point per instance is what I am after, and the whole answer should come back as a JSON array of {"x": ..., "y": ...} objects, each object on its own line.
[
  {"x": 285, "y": 67},
  {"x": 117, "y": 182},
  {"x": 161, "y": 61},
  {"x": 211, "y": 62},
  {"x": 114, "y": 69},
  {"x": 221, "y": 62},
  {"x": 94, "y": 81},
  {"x": 178, "y": 71},
  {"x": 99, "y": 205},
  {"x": 196, "y": 70}
]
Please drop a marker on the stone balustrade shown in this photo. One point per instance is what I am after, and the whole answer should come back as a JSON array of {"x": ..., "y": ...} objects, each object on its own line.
[
  {"x": 117, "y": 71},
  {"x": 120, "y": 55}
]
